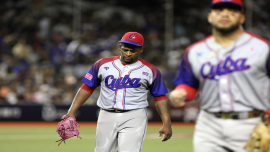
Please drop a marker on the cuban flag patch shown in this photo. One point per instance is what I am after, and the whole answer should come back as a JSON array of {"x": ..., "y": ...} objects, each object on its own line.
[
  {"x": 256, "y": 49},
  {"x": 145, "y": 73},
  {"x": 88, "y": 76}
]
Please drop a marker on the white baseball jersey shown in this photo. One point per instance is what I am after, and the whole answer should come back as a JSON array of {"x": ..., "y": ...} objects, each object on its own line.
[
  {"x": 124, "y": 87},
  {"x": 229, "y": 79}
]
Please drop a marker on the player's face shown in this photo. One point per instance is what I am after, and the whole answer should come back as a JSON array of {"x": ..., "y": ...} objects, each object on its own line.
[
  {"x": 129, "y": 55},
  {"x": 226, "y": 18}
]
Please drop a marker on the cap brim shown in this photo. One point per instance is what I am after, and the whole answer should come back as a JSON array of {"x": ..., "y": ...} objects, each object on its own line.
[
  {"x": 226, "y": 2},
  {"x": 129, "y": 42}
]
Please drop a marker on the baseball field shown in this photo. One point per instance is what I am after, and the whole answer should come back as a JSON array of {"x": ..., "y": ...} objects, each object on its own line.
[{"x": 41, "y": 137}]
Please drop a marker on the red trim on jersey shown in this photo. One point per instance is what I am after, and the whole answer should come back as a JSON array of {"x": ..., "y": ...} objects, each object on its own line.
[
  {"x": 87, "y": 88},
  {"x": 102, "y": 61},
  {"x": 119, "y": 77},
  {"x": 220, "y": 101},
  {"x": 159, "y": 98},
  {"x": 219, "y": 60},
  {"x": 124, "y": 91},
  {"x": 229, "y": 86},
  {"x": 229, "y": 81},
  {"x": 268, "y": 58},
  {"x": 185, "y": 55},
  {"x": 254, "y": 35},
  {"x": 149, "y": 65},
  {"x": 242, "y": 43},
  {"x": 201, "y": 41},
  {"x": 264, "y": 40},
  {"x": 210, "y": 48},
  {"x": 191, "y": 92},
  {"x": 135, "y": 68},
  {"x": 115, "y": 98},
  {"x": 123, "y": 98}
]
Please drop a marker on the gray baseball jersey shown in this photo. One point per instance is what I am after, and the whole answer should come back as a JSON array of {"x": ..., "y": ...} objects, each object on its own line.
[
  {"x": 229, "y": 79},
  {"x": 124, "y": 87}
]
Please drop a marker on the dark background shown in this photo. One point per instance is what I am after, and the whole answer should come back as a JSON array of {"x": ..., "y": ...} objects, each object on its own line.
[{"x": 47, "y": 46}]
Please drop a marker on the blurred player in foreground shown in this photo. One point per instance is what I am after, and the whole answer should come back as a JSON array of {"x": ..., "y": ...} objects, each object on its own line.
[
  {"x": 125, "y": 81},
  {"x": 230, "y": 70}
]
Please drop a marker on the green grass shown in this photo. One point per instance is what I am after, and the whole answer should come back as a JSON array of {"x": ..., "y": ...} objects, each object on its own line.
[{"x": 43, "y": 140}]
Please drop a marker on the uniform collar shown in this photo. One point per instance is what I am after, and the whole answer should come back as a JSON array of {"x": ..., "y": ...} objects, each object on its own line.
[
  {"x": 242, "y": 39},
  {"x": 120, "y": 64}
]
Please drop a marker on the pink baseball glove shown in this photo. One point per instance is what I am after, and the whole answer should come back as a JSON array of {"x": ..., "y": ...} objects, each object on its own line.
[{"x": 67, "y": 128}]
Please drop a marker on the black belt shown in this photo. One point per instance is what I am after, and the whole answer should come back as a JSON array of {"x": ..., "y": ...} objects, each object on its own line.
[
  {"x": 116, "y": 110},
  {"x": 236, "y": 115}
]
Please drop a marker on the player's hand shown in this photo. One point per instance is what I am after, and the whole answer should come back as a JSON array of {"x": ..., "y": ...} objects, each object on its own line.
[
  {"x": 165, "y": 132},
  {"x": 178, "y": 97}
]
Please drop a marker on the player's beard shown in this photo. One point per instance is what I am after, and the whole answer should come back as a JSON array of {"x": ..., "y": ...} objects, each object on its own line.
[
  {"x": 226, "y": 31},
  {"x": 128, "y": 61}
]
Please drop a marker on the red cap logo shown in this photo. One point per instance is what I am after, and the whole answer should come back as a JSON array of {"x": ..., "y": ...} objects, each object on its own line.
[{"x": 132, "y": 36}]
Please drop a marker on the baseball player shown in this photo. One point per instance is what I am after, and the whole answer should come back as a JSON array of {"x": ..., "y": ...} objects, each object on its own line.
[
  {"x": 124, "y": 81},
  {"x": 230, "y": 71}
]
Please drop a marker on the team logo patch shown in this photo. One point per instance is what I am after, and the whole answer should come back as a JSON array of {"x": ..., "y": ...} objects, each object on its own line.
[
  {"x": 88, "y": 76},
  {"x": 122, "y": 82},
  {"x": 132, "y": 36},
  {"x": 145, "y": 73},
  {"x": 209, "y": 71}
]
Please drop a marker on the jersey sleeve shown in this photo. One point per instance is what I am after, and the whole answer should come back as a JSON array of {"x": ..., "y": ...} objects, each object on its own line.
[
  {"x": 87, "y": 88},
  {"x": 91, "y": 78},
  {"x": 185, "y": 74},
  {"x": 158, "y": 87}
]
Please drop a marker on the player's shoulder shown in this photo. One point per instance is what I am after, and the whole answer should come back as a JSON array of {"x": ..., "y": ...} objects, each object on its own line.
[
  {"x": 153, "y": 68},
  {"x": 258, "y": 39},
  {"x": 198, "y": 44},
  {"x": 102, "y": 61}
]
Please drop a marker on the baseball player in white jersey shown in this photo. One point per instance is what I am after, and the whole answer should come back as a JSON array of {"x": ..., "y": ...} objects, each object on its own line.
[
  {"x": 124, "y": 83},
  {"x": 230, "y": 71}
]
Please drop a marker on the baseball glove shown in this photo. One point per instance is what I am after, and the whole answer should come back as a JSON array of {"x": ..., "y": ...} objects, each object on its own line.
[
  {"x": 260, "y": 137},
  {"x": 67, "y": 128}
]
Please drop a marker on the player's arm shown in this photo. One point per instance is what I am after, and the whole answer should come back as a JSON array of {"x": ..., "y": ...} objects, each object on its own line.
[
  {"x": 91, "y": 81},
  {"x": 158, "y": 90},
  {"x": 186, "y": 82},
  {"x": 81, "y": 96},
  {"x": 163, "y": 108}
]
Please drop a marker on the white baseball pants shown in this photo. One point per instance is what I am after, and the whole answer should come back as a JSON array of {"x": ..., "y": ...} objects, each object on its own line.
[
  {"x": 121, "y": 132},
  {"x": 214, "y": 134}
]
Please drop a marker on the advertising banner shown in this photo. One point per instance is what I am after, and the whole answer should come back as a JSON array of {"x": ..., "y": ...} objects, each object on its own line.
[{"x": 84, "y": 113}]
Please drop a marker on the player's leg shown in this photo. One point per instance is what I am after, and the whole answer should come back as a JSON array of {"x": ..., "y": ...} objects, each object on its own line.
[
  {"x": 106, "y": 133},
  {"x": 208, "y": 134},
  {"x": 239, "y": 131},
  {"x": 132, "y": 131}
]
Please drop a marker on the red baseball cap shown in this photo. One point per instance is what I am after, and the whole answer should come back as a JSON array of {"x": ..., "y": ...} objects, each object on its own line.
[
  {"x": 234, "y": 2},
  {"x": 133, "y": 38}
]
